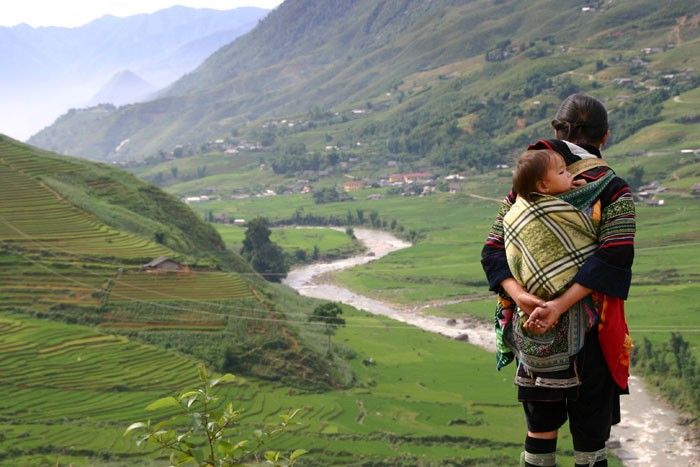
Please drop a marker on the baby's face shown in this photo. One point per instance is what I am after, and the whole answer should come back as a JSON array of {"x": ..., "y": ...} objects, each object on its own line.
[{"x": 556, "y": 179}]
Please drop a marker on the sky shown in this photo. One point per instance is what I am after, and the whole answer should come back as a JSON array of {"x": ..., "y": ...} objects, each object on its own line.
[{"x": 72, "y": 13}]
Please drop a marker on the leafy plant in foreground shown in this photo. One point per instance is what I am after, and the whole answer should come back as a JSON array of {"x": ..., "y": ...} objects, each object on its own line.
[{"x": 207, "y": 441}]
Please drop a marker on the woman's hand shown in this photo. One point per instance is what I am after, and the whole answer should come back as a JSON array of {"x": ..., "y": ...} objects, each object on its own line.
[
  {"x": 525, "y": 300},
  {"x": 544, "y": 318},
  {"x": 528, "y": 302}
]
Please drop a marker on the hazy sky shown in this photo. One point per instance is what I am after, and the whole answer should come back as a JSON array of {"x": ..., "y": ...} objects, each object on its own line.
[{"x": 71, "y": 13}]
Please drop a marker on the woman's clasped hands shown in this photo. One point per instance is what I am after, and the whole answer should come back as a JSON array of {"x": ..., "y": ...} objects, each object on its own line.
[{"x": 544, "y": 317}]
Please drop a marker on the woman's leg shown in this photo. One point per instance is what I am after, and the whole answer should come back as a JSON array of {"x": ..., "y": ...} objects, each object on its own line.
[
  {"x": 595, "y": 410},
  {"x": 543, "y": 422},
  {"x": 540, "y": 449}
]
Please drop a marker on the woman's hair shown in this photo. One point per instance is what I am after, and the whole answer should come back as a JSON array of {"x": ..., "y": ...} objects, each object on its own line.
[
  {"x": 530, "y": 168},
  {"x": 581, "y": 119}
]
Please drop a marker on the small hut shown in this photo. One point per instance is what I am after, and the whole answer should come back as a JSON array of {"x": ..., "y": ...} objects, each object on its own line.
[{"x": 163, "y": 264}]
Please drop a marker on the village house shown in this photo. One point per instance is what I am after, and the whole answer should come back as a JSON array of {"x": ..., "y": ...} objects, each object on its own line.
[
  {"x": 654, "y": 202},
  {"x": 653, "y": 188},
  {"x": 409, "y": 177},
  {"x": 196, "y": 199},
  {"x": 454, "y": 187},
  {"x": 353, "y": 185},
  {"x": 624, "y": 81},
  {"x": 163, "y": 264}
]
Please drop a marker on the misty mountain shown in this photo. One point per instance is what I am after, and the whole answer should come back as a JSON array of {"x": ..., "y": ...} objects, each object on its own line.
[
  {"x": 124, "y": 88},
  {"x": 46, "y": 70},
  {"x": 439, "y": 79}
]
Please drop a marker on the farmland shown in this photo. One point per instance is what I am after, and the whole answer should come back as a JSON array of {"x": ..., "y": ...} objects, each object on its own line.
[{"x": 414, "y": 404}]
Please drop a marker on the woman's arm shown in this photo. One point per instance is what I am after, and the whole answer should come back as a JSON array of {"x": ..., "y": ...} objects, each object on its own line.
[
  {"x": 493, "y": 254},
  {"x": 609, "y": 269}
]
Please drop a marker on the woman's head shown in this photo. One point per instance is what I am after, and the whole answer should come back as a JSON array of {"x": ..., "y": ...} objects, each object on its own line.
[
  {"x": 540, "y": 171},
  {"x": 581, "y": 119}
]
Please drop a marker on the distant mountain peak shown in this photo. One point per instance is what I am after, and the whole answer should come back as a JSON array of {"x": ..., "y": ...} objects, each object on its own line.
[{"x": 125, "y": 87}]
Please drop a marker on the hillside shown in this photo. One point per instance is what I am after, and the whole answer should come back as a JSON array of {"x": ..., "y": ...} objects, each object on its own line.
[
  {"x": 426, "y": 84},
  {"x": 74, "y": 236},
  {"x": 47, "y": 70}
]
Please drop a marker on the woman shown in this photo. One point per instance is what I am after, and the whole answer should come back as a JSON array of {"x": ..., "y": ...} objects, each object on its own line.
[{"x": 588, "y": 390}]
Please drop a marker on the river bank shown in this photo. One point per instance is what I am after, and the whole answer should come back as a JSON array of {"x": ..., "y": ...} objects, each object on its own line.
[{"x": 651, "y": 433}]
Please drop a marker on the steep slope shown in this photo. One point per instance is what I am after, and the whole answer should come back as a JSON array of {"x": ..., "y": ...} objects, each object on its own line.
[
  {"x": 426, "y": 61},
  {"x": 74, "y": 238}
]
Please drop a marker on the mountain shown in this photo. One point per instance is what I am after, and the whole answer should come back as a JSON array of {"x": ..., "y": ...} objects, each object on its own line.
[
  {"x": 432, "y": 83},
  {"x": 46, "y": 70},
  {"x": 124, "y": 88}
]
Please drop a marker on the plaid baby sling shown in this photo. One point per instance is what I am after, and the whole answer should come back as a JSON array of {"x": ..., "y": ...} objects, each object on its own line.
[{"x": 547, "y": 240}]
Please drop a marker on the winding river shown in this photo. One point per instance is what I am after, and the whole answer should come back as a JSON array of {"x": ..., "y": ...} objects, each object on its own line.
[{"x": 650, "y": 434}]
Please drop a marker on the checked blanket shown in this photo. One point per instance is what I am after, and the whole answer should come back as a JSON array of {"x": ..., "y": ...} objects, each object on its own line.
[{"x": 546, "y": 242}]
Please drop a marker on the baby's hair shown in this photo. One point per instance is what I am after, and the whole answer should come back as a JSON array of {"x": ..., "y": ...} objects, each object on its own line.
[{"x": 530, "y": 168}]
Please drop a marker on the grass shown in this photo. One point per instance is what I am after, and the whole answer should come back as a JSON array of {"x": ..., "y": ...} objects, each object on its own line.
[{"x": 330, "y": 243}]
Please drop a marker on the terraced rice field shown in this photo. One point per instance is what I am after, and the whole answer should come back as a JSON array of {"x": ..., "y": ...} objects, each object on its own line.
[
  {"x": 72, "y": 388},
  {"x": 35, "y": 218},
  {"x": 179, "y": 286},
  {"x": 30, "y": 281}
]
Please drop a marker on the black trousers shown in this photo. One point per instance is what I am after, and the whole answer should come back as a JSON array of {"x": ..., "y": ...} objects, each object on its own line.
[{"x": 591, "y": 408}]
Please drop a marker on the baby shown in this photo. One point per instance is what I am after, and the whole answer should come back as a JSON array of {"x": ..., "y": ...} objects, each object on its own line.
[{"x": 542, "y": 171}]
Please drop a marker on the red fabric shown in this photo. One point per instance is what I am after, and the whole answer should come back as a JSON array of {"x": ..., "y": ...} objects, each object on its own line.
[{"x": 614, "y": 338}]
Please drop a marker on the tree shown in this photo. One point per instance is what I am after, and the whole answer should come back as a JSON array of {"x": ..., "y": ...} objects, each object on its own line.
[
  {"x": 635, "y": 176},
  {"x": 374, "y": 219},
  {"x": 265, "y": 256},
  {"x": 327, "y": 195},
  {"x": 328, "y": 315},
  {"x": 207, "y": 441}
]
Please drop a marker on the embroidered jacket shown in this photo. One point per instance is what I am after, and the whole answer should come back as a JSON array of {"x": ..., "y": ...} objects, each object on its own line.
[{"x": 608, "y": 270}]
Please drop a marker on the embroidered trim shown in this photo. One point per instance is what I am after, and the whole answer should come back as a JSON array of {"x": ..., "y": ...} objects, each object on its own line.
[
  {"x": 578, "y": 167},
  {"x": 548, "y": 459},
  {"x": 590, "y": 458}
]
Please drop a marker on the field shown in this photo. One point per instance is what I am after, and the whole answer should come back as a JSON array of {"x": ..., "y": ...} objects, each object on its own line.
[
  {"x": 428, "y": 402},
  {"x": 330, "y": 243}
]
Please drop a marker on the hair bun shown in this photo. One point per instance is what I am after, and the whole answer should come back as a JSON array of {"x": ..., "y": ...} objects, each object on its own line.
[{"x": 562, "y": 125}]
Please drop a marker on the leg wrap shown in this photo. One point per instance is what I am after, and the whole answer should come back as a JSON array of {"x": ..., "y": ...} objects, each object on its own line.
[
  {"x": 591, "y": 459},
  {"x": 528, "y": 459}
]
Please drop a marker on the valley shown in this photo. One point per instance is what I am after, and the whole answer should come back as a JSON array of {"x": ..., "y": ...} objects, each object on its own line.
[{"x": 380, "y": 135}]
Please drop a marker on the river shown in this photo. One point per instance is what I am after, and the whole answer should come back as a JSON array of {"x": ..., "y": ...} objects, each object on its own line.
[{"x": 650, "y": 434}]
